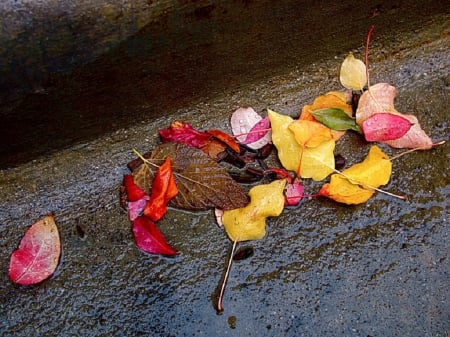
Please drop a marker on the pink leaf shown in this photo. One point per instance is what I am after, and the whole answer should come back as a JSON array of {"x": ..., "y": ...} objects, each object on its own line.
[
  {"x": 38, "y": 253},
  {"x": 294, "y": 193},
  {"x": 380, "y": 97},
  {"x": 136, "y": 208},
  {"x": 258, "y": 131},
  {"x": 243, "y": 121},
  {"x": 149, "y": 239},
  {"x": 380, "y": 127}
]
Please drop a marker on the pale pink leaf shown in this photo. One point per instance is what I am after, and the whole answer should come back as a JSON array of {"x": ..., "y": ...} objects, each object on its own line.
[
  {"x": 243, "y": 120},
  {"x": 136, "y": 208},
  {"x": 258, "y": 131},
  {"x": 38, "y": 254},
  {"x": 415, "y": 138}
]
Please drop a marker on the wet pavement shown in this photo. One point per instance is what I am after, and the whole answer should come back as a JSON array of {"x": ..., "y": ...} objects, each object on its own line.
[{"x": 324, "y": 269}]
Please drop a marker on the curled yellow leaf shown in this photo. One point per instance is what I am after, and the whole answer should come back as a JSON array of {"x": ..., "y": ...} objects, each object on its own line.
[
  {"x": 357, "y": 183},
  {"x": 249, "y": 222},
  {"x": 353, "y": 73}
]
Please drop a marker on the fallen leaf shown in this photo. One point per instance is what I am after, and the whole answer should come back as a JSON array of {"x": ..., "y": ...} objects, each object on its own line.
[
  {"x": 353, "y": 73},
  {"x": 149, "y": 239},
  {"x": 38, "y": 254},
  {"x": 332, "y": 99},
  {"x": 134, "y": 192},
  {"x": 136, "y": 208},
  {"x": 162, "y": 191},
  {"x": 249, "y": 222},
  {"x": 246, "y": 124},
  {"x": 309, "y": 133},
  {"x": 294, "y": 193},
  {"x": 202, "y": 183},
  {"x": 356, "y": 184},
  {"x": 308, "y": 162},
  {"x": 385, "y": 126},
  {"x": 225, "y": 138},
  {"x": 289, "y": 150},
  {"x": 336, "y": 119},
  {"x": 380, "y": 98}
]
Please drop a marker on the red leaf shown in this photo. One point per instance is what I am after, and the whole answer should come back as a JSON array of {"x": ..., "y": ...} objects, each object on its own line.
[
  {"x": 384, "y": 126},
  {"x": 181, "y": 132},
  {"x": 163, "y": 189},
  {"x": 38, "y": 253},
  {"x": 244, "y": 123},
  {"x": 134, "y": 192},
  {"x": 149, "y": 239}
]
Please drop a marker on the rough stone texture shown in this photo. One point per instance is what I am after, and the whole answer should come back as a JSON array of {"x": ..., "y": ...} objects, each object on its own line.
[{"x": 324, "y": 269}]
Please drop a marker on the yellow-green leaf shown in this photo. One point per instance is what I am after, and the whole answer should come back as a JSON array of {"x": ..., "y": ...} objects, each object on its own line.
[
  {"x": 353, "y": 73},
  {"x": 249, "y": 222}
]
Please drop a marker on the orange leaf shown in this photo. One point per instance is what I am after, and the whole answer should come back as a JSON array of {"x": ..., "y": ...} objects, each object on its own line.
[{"x": 163, "y": 189}]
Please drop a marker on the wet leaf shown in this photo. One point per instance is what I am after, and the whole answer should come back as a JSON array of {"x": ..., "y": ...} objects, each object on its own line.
[
  {"x": 353, "y": 74},
  {"x": 332, "y": 99},
  {"x": 289, "y": 150},
  {"x": 182, "y": 132},
  {"x": 136, "y": 208},
  {"x": 310, "y": 134},
  {"x": 134, "y": 192},
  {"x": 149, "y": 239},
  {"x": 379, "y": 98},
  {"x": 243, "y": 253},
  {"x": 202, "y": 183},
  {"x": 308, "y": 162},
  {"x": 336, "y": 119},
  {"x": 38, "y": 254},
  {"x": 162, "y": 191},
  {"x": 356, "y": 184},
  {"x": 250, "y": 128},
  {"x": 226, "y": 139},
  {"x": 249, "y": 222},
  {"x": 385, "y": 126},
  {"x": 294, "y": 193}
]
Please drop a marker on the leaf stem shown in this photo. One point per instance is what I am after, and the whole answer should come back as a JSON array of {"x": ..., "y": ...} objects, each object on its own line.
[
  {"x": 366, "y": 56},
  {"x": 415, "y": 149},
  {"x": 354, "y": 181},
  {"x": 222, "y": 290}
]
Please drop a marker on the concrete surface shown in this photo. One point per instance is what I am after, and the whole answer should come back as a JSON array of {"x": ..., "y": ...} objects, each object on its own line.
[{"x": 378, "y": 269}]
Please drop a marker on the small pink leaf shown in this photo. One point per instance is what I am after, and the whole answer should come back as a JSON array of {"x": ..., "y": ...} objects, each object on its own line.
[
  {"x": 243, "y": 121},
  {"x": 383, "y": 126},
  {"x": 294, "y": 193},
  {"x": 136, "y": 208},
  {"x": 38, "y": 253},
  {"x": 149, "y": 239}
]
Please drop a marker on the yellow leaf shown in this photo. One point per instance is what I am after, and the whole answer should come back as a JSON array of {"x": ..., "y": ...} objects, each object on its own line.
[
  {"x": 289, "y": 151},
  {"x": 315, "y": 163},
  {"x": 357, "y": 183},
  {"x": 249, "y": 222},
  {"x": 353, "y": 73},
  {"x": 318, "y": 162},
  {"x": 309, "y": 133}
]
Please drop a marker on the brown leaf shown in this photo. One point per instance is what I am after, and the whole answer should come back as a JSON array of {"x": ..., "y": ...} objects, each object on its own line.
[{"x": 202, "y": 183}]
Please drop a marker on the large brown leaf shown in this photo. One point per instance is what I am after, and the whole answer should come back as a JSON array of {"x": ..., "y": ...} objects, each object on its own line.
[{"x": 202, "y": 183}]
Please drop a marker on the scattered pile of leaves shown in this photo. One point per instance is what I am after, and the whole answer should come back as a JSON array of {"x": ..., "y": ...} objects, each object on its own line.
[{"x": 187, "y": 170}]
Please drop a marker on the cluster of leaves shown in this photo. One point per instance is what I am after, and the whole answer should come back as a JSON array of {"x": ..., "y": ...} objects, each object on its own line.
[{"x": 186, "y": 170}]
